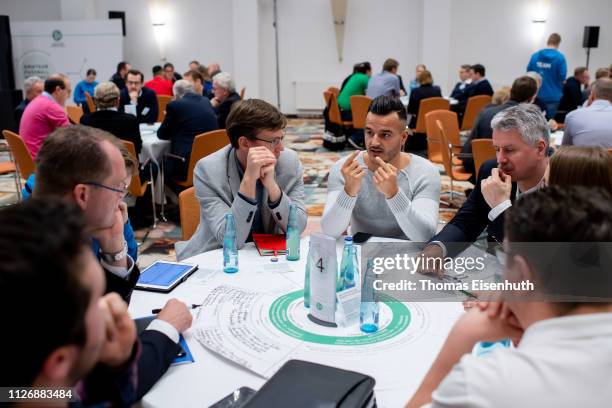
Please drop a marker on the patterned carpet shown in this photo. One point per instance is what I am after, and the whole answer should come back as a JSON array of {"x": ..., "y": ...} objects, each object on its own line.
[{"x": 304, "y": 136}]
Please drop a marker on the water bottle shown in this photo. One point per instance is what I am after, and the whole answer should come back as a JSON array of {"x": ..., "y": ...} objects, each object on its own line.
[
  {"x": 293, "y": 235},
  {"x": 352, "y": 274},
  {"x": 230, "y": 248},
  {"x": 368, "y": 313},
  {"x": 307, "y": 279},
  {"x": 346, "y": 273}
]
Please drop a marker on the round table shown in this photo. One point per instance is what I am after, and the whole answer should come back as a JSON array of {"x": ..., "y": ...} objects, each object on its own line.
[{"x": 212, "y": 376}]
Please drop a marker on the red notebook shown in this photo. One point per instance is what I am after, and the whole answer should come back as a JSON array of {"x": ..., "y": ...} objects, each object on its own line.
[{"x": 270, "y": 244}]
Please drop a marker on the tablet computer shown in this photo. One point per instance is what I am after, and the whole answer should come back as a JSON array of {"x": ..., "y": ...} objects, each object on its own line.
[{"x": 163, "y": 276}]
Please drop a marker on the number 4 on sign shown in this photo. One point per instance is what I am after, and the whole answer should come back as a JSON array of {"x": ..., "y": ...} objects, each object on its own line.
[{"x": 320, "y": 265}]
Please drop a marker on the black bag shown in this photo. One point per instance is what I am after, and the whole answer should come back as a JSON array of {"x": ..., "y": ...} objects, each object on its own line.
[
  {"x": 334, "y": 135},
  {"x": 300, "y": 384}
]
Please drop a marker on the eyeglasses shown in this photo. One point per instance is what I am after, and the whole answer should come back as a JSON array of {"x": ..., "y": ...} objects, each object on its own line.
[
  {"x": 274, "y": 142},
  {"x": 122, "y": 190}
]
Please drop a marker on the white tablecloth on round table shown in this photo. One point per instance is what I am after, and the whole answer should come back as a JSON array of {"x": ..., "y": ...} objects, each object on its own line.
[
  {"x": 212, "y": 377},
  {"x": 153, "y": 148}
]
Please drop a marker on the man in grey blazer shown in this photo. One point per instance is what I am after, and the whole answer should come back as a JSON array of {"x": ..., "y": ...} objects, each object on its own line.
[{"x": 254, "y": 178}]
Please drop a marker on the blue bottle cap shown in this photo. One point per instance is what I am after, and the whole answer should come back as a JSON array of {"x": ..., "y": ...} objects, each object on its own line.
[
  {"x": 273, "y": 259},
  {"x": 348, "y": 239}
]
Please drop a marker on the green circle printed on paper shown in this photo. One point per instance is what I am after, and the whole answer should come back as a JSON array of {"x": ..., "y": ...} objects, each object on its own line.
[{"x": 280, "y": 319}]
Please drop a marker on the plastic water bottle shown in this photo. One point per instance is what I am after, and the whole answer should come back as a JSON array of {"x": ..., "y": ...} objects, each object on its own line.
[
  {"x": 293, "y": 235},
  {"x": 307, "y": 279},
  {"x": 230, "y": 248},
  {"x": 368, "y": 313},
  {"x": 352, "y": 274}
]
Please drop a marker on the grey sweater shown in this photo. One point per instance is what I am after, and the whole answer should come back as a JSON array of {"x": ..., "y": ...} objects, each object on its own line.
[{"x": 411, "y": 214}]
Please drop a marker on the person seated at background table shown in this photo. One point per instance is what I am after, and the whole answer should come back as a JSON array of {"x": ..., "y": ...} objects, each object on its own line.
[
  {"x": 45, "y": 113},
  {"x": 224, "y": 90},
  {"x": 480, "y": 86},
  {"x": 520, "y": 138},
  {"x": 170, "y": 74},
  {"x": 356, "y": 84},
  {"x": 159, "y": 84},
  {"x": 87, "y": 85},
  {"x": 554, "y": 363},
  {"x": 208, "y": 84},
  {"x": 599, "y": 74},
  {"x": 187, "y": 116},
  {"x": 524, "y": 89},
  {"x": 537, "y": 101},
  {"x": 107, "y": 117},
  {"x": 52, "y": 294},
  {"x": 32, "y": 87},
  {"x": 213, "y": 69},
  {"x": 426, "y": 89},
  {"x": 592, "y": 126},
  {"x": 254, "y": 178},
  {"x": 118, "y": 78},
  {"x": 383, "y": 191},
  {"x": 85, "y": 166},
  {"x": 589, "y": 166},
  {"x": 196, "y": 78},
  {"x": 414, "y": 83},
  {"x": 137, "y": 100},
  {"x": 386, "y": 82},
  {"x": 464, "y": 81},
  {"x": 572, "y": 90},
  {"x": 501, "y": 95}
]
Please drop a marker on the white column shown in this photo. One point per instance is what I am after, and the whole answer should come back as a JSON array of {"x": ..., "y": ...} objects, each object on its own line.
[
  {"x": 436, "y": 43},
  {"x": 246, "y": 46}
]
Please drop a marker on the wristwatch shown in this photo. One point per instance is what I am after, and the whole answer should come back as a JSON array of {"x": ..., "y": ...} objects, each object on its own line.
[{"x": 115, "y": 256}]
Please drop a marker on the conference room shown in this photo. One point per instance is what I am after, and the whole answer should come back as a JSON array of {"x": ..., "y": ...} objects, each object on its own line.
[{"x": 275, "y": 203}]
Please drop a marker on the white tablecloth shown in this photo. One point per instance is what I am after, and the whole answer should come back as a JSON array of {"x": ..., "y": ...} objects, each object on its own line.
[
  {"x": 154, "y": 149},
  {"x": 212, "y": 377}
]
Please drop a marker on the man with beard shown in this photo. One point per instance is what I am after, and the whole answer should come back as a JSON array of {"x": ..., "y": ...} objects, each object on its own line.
[
  {"x": 383, "y": 191},
  {"x": 520, "y": 138}
]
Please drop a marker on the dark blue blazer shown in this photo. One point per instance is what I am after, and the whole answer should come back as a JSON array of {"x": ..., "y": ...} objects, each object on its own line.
[
  {"x": 481, "y": 88},
  {"x": 122, "y": 125},
  {"x": 147, "y": 99},
  {"x": 223, "y": 110},
  {"x": 185, "y": 119},
  {"x": 472, "y": 218},
  {"x": 418, "y": 94}
]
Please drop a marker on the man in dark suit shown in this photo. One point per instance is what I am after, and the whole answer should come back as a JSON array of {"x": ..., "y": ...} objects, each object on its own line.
[
  {"x": 225, "y": 96},
  {"x": 572, "y": 91},
  {"x": 138, "y": 100},
  {"x": 480, "y": 86},
  {"x": 465, "y": 81},
  {"x": 519, "y": 169},
  {"x": 524, "y": 89},
  {"x": 186, "y": 117},
  {"x": 32, "y": 87},
  {"x": 108, "y": 118},
  {"x": 118, "y": 77},
  {"x": 85, "y": 166}
]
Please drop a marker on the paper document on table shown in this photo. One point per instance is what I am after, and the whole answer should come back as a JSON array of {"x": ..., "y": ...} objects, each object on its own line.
[{"x": 261, "y": 331}]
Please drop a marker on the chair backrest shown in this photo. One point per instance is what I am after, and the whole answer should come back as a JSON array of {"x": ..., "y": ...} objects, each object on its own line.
[
  {"x": 90, "y": 102},
  {"x": 427, "y": 105},
  {"x": 610, "y": 150},
  {"x": 334, "y": 109},
  {"x": 359, "y": 108},
  {"x": 472, "y": 109},
  {"x": 482, "y": 150},
  {"x": 21, "y": 154},
  {"x": 189, "y": 210},
  {"x": 446, "y": 150},
  {"x": 203, "y": 145},
  {"x": 434, "y": 140},
  {"x": 74, "y": 113},
  {"x": 135, "y": 187},
  {"x": 242, "y": 93},
  {"x": 162, "y": 101}
]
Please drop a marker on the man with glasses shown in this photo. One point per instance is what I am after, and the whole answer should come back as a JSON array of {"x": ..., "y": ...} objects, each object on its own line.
[
  {"x": 383, "y": 191},
  {"x": 254, "y": 178},
  {"x": 45, "y": 113},
  {"x": 85, "y": 166},
  {"x": 187, "y": 116},
  {"x": 138, "y": 100}
]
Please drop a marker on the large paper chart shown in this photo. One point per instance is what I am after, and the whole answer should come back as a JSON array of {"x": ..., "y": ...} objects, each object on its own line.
[{"x": 261, "y": 331}]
